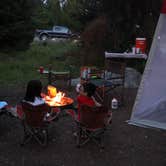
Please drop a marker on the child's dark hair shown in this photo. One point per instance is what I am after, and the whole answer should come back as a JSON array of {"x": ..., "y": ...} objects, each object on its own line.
[
  {"x": 34, "y": 89},
  {"x": 89, "y": 88}
]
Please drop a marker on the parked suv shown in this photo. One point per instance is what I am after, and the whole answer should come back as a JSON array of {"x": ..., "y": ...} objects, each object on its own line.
[{"x": 55, "y": 32}]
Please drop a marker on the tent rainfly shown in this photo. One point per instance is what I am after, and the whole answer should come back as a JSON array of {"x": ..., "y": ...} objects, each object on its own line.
[{"x": 150, "y": 105}]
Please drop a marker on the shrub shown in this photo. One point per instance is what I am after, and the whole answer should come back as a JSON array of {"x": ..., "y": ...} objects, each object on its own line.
[{"x": 94, "y": 38}]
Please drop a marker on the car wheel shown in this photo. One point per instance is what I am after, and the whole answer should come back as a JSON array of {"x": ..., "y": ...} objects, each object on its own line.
[{"x": 43, "y": 37}]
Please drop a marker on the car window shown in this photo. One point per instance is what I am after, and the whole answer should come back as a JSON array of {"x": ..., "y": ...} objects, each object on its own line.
[{"x": 60, "y": 29}]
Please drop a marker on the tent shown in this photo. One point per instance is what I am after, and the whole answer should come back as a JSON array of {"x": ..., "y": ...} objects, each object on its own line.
[{"x": 149, "y": 109}]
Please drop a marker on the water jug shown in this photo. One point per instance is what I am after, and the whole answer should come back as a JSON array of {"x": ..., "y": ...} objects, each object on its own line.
[{"x": 114, "y": 103}]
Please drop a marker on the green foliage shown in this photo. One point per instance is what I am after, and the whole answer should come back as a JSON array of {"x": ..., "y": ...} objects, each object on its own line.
[
  {"x": 130, "y": 20},
  {"x": 16, "y": 24},
  {"x": 51, "y": 14},
  {"x": 125, "y": 22},
  {"x": 95, "y": 33},
  {"x": 41, "y": 17},
  {"x": 89, "y": 10},
  {"x": 94, "y": 38},
  {"x": 19, "y": 67}
]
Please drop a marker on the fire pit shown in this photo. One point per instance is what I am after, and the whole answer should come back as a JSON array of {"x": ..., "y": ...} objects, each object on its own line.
[{"x": 56, "y": 99}]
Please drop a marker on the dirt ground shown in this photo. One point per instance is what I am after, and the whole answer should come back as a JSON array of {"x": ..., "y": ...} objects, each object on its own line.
[{"x": 125, "y": 145}]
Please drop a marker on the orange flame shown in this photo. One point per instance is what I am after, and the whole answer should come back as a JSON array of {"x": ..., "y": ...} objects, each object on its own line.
[
  {"x": 51, "y": 90},
  {"x": 58, "y": 97},
  {"x": 54, "y": 98}
]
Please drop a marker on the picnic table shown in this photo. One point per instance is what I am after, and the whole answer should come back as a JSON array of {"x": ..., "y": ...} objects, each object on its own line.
[
  {"x": 125, "y": 55},
  {"x": 53, "y": 76}
]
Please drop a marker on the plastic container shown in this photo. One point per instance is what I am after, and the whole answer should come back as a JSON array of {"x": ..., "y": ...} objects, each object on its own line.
[
  {"x": 133, "y": 50},
  {"x": 114, "y": 103},
  {"x": 78, "y": 87},
  {"x": 141, "y": 44},
  {"x": 137, "y": 51}
]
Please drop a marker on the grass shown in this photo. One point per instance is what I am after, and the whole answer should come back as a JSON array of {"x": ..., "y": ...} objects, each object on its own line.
[{"x": 20, "y": 67}]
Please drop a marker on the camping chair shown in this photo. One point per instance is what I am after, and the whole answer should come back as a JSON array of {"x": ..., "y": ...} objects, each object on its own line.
[
  {"x": 92, "y": 125},
  {"x": 56, "y": 78},
  {"x": 59, "y": 78},
  {"x": 33, "y": 122},
  {"x": 115, "y": 73},
  {"x": 90, "y": 72}
]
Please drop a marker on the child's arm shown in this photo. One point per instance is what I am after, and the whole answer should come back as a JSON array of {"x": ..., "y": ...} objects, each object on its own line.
[{"x": 96, "y": 103}]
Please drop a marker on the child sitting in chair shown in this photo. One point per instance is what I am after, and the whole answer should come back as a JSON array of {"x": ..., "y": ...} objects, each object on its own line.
[
  {"x": 86, "y": 96},
  {"x": 33, "y": 93},
  {"x": 34, "y": 98}
]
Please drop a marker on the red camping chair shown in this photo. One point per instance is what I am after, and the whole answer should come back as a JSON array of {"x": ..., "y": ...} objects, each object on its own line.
[
  {"x": 33, "y": 122},
  {"x": 92, "y": 125}
]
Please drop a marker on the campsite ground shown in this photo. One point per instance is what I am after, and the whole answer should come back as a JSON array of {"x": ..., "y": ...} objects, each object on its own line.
[{"x": 125, "y": 145}]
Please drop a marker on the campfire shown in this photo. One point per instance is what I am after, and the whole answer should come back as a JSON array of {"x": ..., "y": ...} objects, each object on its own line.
[{"x": 55, "y": 98}]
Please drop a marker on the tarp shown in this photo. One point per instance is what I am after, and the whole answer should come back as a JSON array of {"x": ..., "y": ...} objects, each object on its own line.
[
  {"x": 150, "y": 105},
  {"x": 3, "y": 104}
]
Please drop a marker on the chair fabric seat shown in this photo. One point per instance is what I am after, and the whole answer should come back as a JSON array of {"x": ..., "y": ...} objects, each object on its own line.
[
  {"x": 33, "y": 123},
  {"x": 92, "y": 124}
]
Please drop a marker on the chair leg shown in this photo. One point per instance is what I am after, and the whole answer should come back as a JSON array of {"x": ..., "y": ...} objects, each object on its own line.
[
  {"x": 78, "y": 138},
  {"x": 96, "y": 137},
  {"x": 41, "y": 136},
  {"x": 45, "y": 137},
  {"x": 26, "y": 138},
  {"x": 99, "y": 140},
  {"x": 83, "y": 137}
]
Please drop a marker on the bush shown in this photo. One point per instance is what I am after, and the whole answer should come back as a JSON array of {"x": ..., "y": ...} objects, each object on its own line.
[
  {"x": 21, "y": 66},
  {"x": 16, "y": 26},
  {"x": 94, "y": 39}
]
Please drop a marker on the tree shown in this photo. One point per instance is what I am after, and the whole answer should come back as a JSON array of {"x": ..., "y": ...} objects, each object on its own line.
[
  {"x": 16, "y": 23},
  {"x": 89, "y": 10},
  {"x": 66, "y": 14},
  {"x": 94, "y": 38},
  {"x": 129, "y": 20},
  {"x": 42, "y": 16}
]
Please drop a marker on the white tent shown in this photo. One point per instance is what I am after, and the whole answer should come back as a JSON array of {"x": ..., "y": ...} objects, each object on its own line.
[{"x": 150, "y": 105}]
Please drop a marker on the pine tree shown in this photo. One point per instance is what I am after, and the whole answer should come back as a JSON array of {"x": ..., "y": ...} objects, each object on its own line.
[{"x": 16, "y": 26}]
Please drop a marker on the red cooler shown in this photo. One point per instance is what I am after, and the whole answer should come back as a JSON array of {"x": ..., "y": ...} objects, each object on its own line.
[{"x": 141, "y": 44}]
